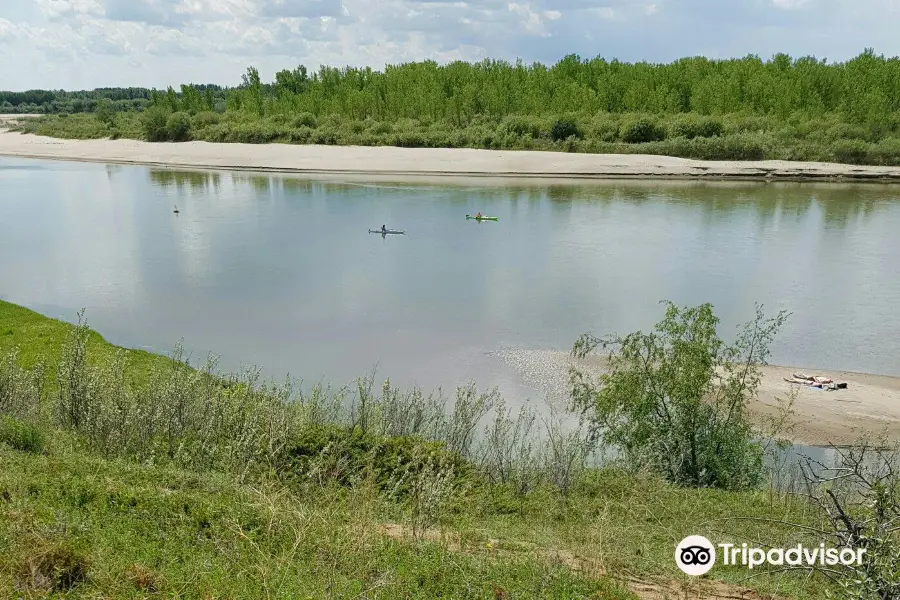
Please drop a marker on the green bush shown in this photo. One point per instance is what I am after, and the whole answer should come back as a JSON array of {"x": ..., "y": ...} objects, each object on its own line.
[
  {"x": 153, "y": 124},
  {"x": 521, "y": 125},
  {"x": 851, "y": 152},
  {"x": 605, "y": 127},
  {"x": 563, "y": 130},
  {"x": 206, "y": 119},
  {"x": 347, "y": 455},
  {"x": 381, "y": 128},
  {"x": 642, "y": 130},
  {"x": 692, "y": 126},
  {"x": 305, "y": 119},
  {"x": 105, "y": 111},
  {"x": 662, "y": 415},
  {"x": 178, "y": 127},
  {"x": 886, "y": 152},
  {"x": 21, "y": 436}
]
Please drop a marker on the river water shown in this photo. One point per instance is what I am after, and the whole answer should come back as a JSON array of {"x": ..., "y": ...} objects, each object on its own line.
[{"x": 282, "y": 272}]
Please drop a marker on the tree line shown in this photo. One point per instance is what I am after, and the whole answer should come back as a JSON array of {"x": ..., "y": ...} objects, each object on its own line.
[
  {"x": 81, "y": 101},
  {"x": 863, "y": 89}
]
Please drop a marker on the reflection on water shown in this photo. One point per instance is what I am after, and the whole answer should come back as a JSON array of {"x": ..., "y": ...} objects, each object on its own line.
[
  {"x": 280, "y": 271},
  {"x": 180, "y": 180}
]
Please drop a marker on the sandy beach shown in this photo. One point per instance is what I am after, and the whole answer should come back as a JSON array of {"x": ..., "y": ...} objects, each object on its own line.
[
  {"x": 870, "y": 404},
  {"x": 427, "y": 162}
]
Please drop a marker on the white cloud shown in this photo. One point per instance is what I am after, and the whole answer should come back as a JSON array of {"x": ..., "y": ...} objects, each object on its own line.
[{"x": 89, "y": 43}]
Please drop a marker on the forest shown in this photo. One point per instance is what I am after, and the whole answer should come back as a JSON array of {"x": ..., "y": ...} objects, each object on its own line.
[
  {"x": 84, "y": 101},
  {"x": 749, "y": 108}
]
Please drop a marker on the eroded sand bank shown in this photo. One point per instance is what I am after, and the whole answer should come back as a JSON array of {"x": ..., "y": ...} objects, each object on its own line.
[{"x": 431, "y": 162}]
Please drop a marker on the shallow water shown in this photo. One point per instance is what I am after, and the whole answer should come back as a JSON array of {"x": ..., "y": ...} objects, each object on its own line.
[{"x": 281, "y": 271}]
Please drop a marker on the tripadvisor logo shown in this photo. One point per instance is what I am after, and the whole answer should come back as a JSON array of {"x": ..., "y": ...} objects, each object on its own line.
[{"x": 696, "y": 555}]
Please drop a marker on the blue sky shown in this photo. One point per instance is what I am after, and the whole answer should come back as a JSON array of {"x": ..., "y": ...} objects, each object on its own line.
[{"x": 90, "y": 43}]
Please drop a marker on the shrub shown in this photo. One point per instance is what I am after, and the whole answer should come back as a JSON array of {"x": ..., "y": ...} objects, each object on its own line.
[
  {"x": 153, "y": 124},
  {"x": 563, "y": 130},
  {"x": 305, "y": 119},
  {"x": 345, "y": 455},
  {"x": 642, "y": 130},
  {"x": 105, "y": 111},
  {"x": 605, "y": 127},
  {"x": 852, "y": 152},
  {"x": 675, "y": 400},
  {"x": 522, "y": 126},
  {"x": 206, "y": 119},
  {"x": 178, "y": 127},
  {"x": 886, "y": 152},
  {"x": 21, "y": 436},
  {"x": 381, "y": 128},
  {"x": 691, "y": 126}
]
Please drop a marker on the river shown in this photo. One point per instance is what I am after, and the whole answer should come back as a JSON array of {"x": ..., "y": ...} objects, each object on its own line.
[{"x": 282, "y": 272}]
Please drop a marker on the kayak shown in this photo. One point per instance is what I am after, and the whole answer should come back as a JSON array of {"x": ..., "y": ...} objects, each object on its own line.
[
  {"x": 386, "y": 232},
  {"x": 481, "y": 218}
]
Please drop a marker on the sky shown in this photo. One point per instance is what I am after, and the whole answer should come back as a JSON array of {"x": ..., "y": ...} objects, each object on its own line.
[{"x": 82, "y": 44}]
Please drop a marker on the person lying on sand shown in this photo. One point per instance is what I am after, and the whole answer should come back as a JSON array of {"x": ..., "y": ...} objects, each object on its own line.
[{"x": 816, "y": 381}]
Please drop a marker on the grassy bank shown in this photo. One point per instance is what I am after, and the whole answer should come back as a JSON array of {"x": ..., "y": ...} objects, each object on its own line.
[
  {"x": 737, "y": 109},
  {"x": 129, "y": 474}
]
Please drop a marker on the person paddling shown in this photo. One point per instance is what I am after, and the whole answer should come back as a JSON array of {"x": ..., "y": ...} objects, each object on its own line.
[
  {"x": 383, "y": 229},
  {"x": 478, "y": 216}
]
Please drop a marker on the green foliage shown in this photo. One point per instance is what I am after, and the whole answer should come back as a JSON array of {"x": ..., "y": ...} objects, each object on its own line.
[
  {"x": 205, "y": 119},
  {"x": 178, "y": 127},
  {"x": 693, "y": 126},
  {"x": 153, "y": 123},
  {"x": 21, "y": 436},
  {"x": 852, "y": 152},
  {"x": 305, "y": 119},
  {"x": 106, "y": 112},
  {"x": 349, "y": 455},
  {"x": 563, "y": 130},
  {"x": 641, "y": 130},
  {"x": 676, "y": 399}
]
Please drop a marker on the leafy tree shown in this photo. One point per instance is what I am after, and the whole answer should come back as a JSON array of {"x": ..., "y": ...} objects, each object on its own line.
[
  {"x": 106, "y": 112},
  {"x": 676, "y": 398},
  {"x": 178, "y": 127},
  {"x": 564, "y": 129},
  {"x": 153, "y": 123}
]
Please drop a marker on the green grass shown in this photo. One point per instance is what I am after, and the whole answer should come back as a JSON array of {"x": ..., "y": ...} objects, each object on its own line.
[
  {"x": 39, "y": 339},
  {"x": 134, "y": 530},
  {"x": 79, "y": 519}
]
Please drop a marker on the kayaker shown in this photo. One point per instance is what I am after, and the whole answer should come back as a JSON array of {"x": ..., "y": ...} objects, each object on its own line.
[
  {"x": 383, "y": 229},
  {"x": 478, "y": 216}
]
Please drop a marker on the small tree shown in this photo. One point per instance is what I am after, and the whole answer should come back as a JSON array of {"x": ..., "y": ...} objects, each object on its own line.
[
  {"x": 153, "y": 124},
  {"x": 676, "y": 399},
  {"x": 106, "y": 112}
]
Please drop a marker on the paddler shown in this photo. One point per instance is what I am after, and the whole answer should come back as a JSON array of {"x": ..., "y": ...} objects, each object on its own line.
[
  {"x": 478, "y": 216},
  {"x": 383, "y": 229}
]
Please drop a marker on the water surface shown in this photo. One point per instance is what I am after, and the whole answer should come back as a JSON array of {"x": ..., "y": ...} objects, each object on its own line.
[{"x": 281, "y": 272}]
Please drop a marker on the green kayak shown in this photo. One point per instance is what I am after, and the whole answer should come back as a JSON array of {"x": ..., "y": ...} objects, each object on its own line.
[{"x": 477, "y": 218}]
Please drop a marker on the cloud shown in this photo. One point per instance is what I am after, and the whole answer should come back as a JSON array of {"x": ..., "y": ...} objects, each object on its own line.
[{"x": 88, "y": 43}]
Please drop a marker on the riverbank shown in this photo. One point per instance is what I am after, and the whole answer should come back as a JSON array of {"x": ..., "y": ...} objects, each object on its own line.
[
  {"x": 328, "y": 530},
  {"x": 870, "y": 404},
  {"x": 427, "y": 162}
]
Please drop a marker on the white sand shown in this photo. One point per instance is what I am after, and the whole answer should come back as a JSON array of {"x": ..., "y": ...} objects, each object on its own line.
[
  {"x": 871, "y": 403},
  {"x": 431, "y": 162}
]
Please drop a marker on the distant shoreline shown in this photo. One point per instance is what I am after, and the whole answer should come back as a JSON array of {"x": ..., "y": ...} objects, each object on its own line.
[{"x": 429, "y": 163}]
